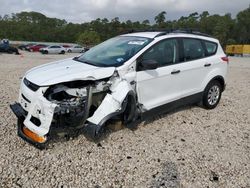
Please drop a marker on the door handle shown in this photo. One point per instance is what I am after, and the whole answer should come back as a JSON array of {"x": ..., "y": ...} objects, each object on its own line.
[
  {"x": 207, "y": 65},
  {"x": 175, "y": 71}
]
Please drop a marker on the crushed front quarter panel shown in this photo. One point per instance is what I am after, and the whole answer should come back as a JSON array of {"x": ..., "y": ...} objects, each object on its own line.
[{"x": 112, "y": 103}]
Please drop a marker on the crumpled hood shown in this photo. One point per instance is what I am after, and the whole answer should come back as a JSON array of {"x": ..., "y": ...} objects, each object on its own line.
[{"x": 66, "y": 70}]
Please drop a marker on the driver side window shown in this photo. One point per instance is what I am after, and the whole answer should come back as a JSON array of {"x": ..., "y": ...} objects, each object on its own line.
[{"x": 164, "y": 53}]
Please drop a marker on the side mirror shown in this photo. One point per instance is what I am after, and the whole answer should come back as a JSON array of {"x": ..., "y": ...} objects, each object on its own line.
[{"x": 149, "y": 64}]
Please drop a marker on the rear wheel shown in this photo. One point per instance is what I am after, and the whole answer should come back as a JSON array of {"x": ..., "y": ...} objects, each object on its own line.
[
  {"x": 62, "y": 52},
  {"x": 212, "y": 94},
  {"x": 69, "y": 51},
  {"x": 45, "y": 52}
]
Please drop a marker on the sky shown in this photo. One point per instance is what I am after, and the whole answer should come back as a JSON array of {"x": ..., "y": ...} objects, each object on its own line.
[{"x": 79, "y": 11}]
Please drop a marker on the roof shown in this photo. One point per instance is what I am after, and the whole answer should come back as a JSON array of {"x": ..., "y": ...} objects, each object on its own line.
[
  {"x": 155, "y": 33},
  {"x": 143, "y": 34}
]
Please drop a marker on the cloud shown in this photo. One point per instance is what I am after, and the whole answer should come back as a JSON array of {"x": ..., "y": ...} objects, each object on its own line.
[{"x": 82, "y": 11}]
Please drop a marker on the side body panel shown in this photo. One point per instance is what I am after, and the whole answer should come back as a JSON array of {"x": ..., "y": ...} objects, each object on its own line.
[{"x": 159, "y": 86}]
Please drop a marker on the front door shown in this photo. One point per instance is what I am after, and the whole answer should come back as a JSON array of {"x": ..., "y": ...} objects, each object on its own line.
[{"x": 162, "y": 85}]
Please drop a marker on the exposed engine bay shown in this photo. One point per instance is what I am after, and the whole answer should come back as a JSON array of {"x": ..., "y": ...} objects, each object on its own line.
[{"x": 76, "y": 101}]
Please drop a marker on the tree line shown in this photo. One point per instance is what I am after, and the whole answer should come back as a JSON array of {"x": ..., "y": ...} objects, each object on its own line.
[{"x": 34, "y": 26}]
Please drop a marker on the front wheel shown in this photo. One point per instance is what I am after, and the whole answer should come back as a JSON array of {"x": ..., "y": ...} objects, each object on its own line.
[
  {"x": 212, "y": 95},
  {"x": 62, "y": 52}
]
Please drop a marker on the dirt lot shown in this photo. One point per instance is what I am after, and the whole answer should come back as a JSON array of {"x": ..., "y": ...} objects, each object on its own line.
[{"x": 190, "y": 147}]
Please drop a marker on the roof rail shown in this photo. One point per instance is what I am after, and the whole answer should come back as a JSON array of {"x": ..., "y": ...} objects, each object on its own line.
[
  {"x": 168, "y": 31},
  {"x": 191, "y": 31}
]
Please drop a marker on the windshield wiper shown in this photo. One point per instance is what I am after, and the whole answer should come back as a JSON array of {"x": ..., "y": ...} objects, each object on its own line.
[{"x": 77, "y": 59}]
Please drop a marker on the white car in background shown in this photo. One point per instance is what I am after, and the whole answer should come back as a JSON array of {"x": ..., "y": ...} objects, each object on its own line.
[
  {"x": 76, "y": 49},
  {"x": 53, "y": 49}
]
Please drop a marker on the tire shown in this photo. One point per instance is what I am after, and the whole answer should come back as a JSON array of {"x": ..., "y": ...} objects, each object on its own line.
[
  {"x": 94, "y": 132},
  {"x": 69, "y": 51},
  {"x": 62, "y": 52},
  {"x": 130, "y": 110},
  {"x": 45, "y": 52},
  {"x": 9, "y": 51},
  {"x": 212, "y": 94}
]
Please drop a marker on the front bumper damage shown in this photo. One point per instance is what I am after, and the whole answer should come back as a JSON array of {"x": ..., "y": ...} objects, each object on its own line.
[
  {"x": 39, "y": 119},
  {"x": 21, "y": 114}
]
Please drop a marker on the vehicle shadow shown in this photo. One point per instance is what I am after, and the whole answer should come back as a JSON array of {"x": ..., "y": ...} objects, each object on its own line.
[
  {"x": 155, "y": 117},
  {"x": 112, "y": 126},
  {"x": 116, "y": 125}
]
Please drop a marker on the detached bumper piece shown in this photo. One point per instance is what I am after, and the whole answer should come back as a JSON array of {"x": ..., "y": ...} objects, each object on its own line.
[
  {"x": 23, "y": 132},
  {"x": 18, "y": 110}
]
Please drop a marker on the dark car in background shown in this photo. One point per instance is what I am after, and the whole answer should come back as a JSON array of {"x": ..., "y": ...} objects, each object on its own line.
[
  {"x": 8, "y": 49},
  {"x": 25, "y": 46}
]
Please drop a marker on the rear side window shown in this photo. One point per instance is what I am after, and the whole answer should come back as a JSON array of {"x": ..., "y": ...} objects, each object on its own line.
[
  {"x": 55, "y": 47},
  {"x": 211, "y": 47},
  {"x": 193, "y": 49}
]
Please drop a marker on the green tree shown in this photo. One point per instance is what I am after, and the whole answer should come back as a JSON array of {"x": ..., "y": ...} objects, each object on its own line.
[
  {"x": 146, "y": 22},
  {"x": 38, "y": 27},
  {"x": 231, "y": 41},
  {"x": 223, "y": 28},
  {"x": 89, "y": 38},
  {"x": 160, "y": 18},
  {"x": 243, "y": 26}
]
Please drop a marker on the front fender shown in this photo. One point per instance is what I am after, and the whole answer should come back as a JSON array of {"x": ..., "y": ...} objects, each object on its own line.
[{"x": 112, "y": 104}]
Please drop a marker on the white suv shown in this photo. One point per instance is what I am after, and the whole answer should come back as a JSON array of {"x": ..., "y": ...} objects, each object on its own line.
[{"x": 129, "y": 77}]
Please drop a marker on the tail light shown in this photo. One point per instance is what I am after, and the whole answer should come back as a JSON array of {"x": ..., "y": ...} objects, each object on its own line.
[{"x": 225, "y": 59}]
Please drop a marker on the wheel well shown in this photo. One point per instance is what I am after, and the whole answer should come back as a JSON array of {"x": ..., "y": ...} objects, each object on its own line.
[
  {"x": 130, "y": 108},
  {"x": 221, "y": 80}
]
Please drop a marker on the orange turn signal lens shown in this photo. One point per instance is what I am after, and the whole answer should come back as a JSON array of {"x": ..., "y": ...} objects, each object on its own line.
[{"x": 33, "y": 136}]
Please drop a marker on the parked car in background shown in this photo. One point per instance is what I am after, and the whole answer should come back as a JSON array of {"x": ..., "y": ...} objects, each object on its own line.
[
  {"x": 8, "y": 49},
  {"x": 36, "y": 48},
  {"x": 76, "y": 49},
  {"x": 53, "y": 49},
  {"x": 66, "y": 46},
  {"x": 25, "y": 46}
]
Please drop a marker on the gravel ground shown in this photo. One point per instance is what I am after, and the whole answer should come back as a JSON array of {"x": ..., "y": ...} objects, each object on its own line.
[{"x": 190, "y": 147}]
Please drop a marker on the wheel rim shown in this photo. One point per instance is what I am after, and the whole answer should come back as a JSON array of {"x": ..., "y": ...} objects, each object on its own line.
[{"x": 213, "y": 95}]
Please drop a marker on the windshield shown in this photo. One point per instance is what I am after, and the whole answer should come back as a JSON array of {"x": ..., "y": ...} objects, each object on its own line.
[{"x": 114, "y": 52}]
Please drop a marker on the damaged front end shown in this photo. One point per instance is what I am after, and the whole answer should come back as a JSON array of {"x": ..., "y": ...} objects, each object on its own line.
[{"x": 65, "y": 108}]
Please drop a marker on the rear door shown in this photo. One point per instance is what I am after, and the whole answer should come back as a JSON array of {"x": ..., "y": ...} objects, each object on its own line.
[
  {"x": 52, "y": 49},
  {"x": 58, "y": 49},
  {"x": 195, "y": 66}
]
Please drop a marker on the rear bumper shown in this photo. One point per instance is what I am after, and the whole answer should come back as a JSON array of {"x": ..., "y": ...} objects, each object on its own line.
[{"x": 21, "y": 114}]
